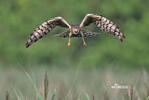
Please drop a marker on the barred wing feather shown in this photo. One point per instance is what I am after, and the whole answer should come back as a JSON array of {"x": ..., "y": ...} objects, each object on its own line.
[
  {"x": 104, "y": 24},
  {"x": 46, "y": 27}
]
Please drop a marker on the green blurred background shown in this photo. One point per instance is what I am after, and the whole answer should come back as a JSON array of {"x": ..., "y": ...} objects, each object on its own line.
[{"x": 18, "y": 18}]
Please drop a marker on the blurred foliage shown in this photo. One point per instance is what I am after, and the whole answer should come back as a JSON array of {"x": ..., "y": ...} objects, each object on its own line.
[{"x": 18, "y": 18}]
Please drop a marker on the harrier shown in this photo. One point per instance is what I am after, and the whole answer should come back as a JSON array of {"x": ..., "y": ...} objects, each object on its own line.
[{"x": 76, "y": 30}]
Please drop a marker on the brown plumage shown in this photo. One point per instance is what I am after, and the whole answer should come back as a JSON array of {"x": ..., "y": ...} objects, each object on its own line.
[
  {"x": 86, "y": 34},
  {"x": 104, "y": 24},
  {"x": 44, "y": 28},
  {"x": 76, "y": 30},
  {"x": 108, "y": 26}
]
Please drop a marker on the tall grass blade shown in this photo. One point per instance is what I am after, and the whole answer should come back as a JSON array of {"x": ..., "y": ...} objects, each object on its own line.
[
  {"x": 46, "y": 83},
  {"x": 79, "y": 97},
  {"x": 73, "y": 83},
  {"x": 21, "y": 95},
  {"x": 93, "y": 98},
  {"x": 87, "y": 96},
  {"x": 131, "y": 93},
  {"x": 17, "y": 95},
  {"x": 38, "y": 95},
  {"x": 148, "y": 98},
  {"x": 53, "y": 95},
  {"x": 7, "y": 96}
]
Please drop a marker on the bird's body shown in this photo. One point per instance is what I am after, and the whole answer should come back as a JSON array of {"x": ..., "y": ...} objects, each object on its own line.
[{"x": 76, "y": 30}]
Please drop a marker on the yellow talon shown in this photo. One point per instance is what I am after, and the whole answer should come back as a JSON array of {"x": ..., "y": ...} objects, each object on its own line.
[
  {"x": 84, "y": 43},
  {"x": 69, "y": 44}
]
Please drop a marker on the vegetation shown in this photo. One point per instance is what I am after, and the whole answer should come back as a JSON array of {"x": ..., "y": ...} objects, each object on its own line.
[
  {"x": 20, "y": 17},
  {"x": 74, "y": 85}
]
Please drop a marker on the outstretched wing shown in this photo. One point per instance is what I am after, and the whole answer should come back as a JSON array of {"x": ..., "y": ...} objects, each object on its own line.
[
  {"x": 46, "y": 27},
  {"x": 104, "y": 24}
]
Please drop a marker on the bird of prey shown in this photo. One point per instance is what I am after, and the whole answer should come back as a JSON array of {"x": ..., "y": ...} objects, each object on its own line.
[{"x": 76, "y": 30}]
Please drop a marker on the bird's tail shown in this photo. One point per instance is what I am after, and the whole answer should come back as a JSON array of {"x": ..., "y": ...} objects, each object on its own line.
[{"x": 86, "y": 34}]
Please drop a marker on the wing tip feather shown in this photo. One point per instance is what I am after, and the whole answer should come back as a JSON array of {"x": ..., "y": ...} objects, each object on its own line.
[
  {"x": 122, "y": 38},
  {"x": 28, "y": 44}
]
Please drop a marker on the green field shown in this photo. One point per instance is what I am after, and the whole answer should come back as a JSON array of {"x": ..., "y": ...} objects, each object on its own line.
[{"x": 76, "y": 84}]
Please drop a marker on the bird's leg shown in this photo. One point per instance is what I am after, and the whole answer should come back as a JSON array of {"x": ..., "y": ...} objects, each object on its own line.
[
  {"x": 69, "y": 44},
  {"x": 84, "y": 43}
]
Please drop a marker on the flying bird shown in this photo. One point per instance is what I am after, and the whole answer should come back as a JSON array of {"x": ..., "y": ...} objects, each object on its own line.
[{"x": 76, "y": 30}]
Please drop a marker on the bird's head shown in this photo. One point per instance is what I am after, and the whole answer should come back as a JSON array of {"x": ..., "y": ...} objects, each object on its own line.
[{"x": 75, "y": 29}]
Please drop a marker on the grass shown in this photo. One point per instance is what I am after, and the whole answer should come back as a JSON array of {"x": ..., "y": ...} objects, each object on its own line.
[{"x": 54, "y": 84}]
